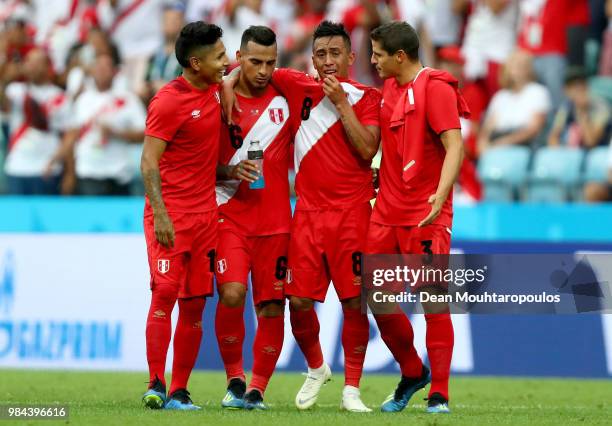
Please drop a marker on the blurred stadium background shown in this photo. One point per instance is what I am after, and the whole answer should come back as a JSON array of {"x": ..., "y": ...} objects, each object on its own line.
[{"x": 537, "y": 178}]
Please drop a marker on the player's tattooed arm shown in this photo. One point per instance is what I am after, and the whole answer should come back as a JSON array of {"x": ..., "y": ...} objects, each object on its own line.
[
  {"x": 365, "y": 139},
  {"x": 453, "y": 144},
  {"x": 149, "y": 166}
]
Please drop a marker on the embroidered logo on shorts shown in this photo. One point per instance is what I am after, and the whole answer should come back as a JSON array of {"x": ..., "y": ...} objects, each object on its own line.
[
  {"x": 163, "y": 265},
  {"x": 221, "y": 266},
  {"x": 356, "y": 280},
  {"x": 278, "y": 285}
]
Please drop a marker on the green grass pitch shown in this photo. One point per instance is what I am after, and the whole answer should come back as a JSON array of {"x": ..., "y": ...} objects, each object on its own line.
[{"x": 110, "y": 398}]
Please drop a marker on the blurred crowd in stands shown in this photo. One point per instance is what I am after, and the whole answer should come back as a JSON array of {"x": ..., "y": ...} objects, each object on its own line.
[{"x": 76, "y": 77}]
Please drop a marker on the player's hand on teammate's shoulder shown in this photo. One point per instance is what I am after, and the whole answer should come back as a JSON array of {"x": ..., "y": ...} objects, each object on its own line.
[
  {"x": 245, "y": 170},
  {"x": 164, "y": 229},
  {"x": 333, "y": 90},
  {"x": 436, "y": 202}
]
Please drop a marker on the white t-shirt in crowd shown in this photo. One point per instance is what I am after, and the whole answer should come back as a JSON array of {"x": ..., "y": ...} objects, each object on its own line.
[
  {"x": 31, "y": 152},
  {"x": 412, "y": 12},
  {"x": 139, "y": 32},
  {"x": 95, "y": 157},
  {"x": 232, "y": 33},
  {"x": 443, "y": 25},
  {"x": 514, "y": 110},
  {"x": 56, "y": 31},
  {"x": 488, "y": 37}
]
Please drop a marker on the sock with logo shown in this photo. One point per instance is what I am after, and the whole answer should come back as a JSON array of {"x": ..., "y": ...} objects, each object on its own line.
[
  {"x": 305, "y": 327},
  {"x": 187, "y": 338},
  {"x": 266, "y": 350},
  {"x": 229, "y": 328},
  {"x": 355, "y": 337},
  {"x": 396, "y": 331},
  {"x": 159, "y": 329},
  {"x": 439, "y": 340}
]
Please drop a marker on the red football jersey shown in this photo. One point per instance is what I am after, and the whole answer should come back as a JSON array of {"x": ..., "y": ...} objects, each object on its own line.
[
  {"x": 329, "y": 171},
  {"x": 406, "y": 205},
  {"x": 257, "y": 212},
  {"x": 189, "y": 120}
]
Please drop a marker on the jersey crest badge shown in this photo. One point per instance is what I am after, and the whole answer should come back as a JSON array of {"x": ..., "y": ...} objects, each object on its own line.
[{"x": 276, "y": 115}]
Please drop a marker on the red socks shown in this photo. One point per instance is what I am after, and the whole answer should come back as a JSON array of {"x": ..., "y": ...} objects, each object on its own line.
[
  {"x": 396, "y": 332},
  {"x": 355, "y": 337},
  {"x": 439, "y": 340},
  {"x": 305, "y": 327},
  {"x": 159, "y": 328},
  {"x": 229, "y": 327},
  {"x": 266, "y": 350},
  {"x": 187, "y": 338}
]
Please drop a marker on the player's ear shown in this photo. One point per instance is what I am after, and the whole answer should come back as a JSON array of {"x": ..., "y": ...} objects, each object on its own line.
[
  {"x": 351, "y": 58},
  {"x": 195, "y": 63},
  {"x": 400, "y": 56},
  {"x": 238, "y": 55}
]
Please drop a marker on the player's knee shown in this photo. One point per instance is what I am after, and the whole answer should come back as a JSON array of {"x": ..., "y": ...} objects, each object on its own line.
[
  {"x": 353, "y": 303},
  {"x": 273, "y": 308},
  {"x": 435, "y": 307},
  {"x": 166, "y": 294},
  {"x": 301, "y": 303},
  {"x": 232, "y": 295},
  {"x": 192, "y": 306}
]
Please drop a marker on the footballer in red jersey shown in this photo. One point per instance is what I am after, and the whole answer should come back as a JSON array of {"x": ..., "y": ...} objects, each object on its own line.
[
  {"x": 179, "y": 162},
  {"x": 336, "y": 136},
  {"x": 422, "y": 154},
  {"x": 253, "y": 222}
]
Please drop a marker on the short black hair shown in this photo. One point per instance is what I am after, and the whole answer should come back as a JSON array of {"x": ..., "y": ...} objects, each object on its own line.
[
  {"x": 575, "y": 74},
  {"x": 331, "y": 29},
  {"x": 194, "y": 35},
  {"x": 259, "y": 34},
  {"x": 395, "y": 36}
]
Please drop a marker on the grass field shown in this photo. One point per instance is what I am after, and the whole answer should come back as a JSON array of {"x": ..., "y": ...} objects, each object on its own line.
[{"x": 114, "y": 398}]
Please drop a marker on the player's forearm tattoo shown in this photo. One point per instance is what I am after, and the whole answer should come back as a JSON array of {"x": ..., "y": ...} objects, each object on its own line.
[{"x": 152, "y": 184}]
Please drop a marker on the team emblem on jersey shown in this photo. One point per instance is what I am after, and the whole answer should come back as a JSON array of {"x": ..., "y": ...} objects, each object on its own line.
[
  {"x": 195, "y": 113},
  {"x": 276, "y": 115},
  {"x": 163, "y": 265},
  {"x": 221, "y": 266}
]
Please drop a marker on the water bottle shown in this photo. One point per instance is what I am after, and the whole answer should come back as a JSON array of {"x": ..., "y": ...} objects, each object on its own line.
[{"x": 255, "y": 154}]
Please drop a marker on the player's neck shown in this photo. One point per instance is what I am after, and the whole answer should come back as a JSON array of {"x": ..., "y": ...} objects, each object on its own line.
[
  {"x": 408, "y": 73},
  {"x": 246, "y": 90},
  {"x": 195, "y": 81}
]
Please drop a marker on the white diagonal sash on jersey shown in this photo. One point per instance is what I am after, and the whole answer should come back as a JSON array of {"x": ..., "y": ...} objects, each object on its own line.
[
  {"x": 322, "y": 117},
  {"x": 265, "y": 131}
]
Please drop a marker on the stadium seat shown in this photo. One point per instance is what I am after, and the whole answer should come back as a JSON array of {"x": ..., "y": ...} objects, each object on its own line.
[
  {"x": 596, "y": 168},
  {"x": 555, "y": 174},
  {"x": 503, "y": 170},
  {"x": 602, "y": 87}
]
